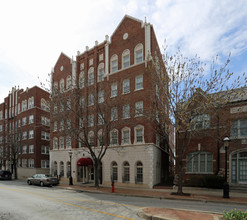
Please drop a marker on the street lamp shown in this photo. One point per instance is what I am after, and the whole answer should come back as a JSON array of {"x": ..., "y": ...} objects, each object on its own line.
[
  {"x": 70, "y": 172},
  {"x": 226, "y": 185}
]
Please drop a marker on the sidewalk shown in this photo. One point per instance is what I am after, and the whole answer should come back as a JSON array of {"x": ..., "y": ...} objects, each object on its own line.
[{"x": 196, "y": 194}]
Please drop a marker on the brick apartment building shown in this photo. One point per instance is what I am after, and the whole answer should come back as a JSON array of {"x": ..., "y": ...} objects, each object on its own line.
[
  {"x": 114, "y": 71},
  {"x": 206, "y": 153},
  {"x": 25, "y": 131}
]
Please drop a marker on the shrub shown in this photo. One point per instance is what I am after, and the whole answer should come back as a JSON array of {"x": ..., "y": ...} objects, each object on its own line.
[
  {"x": 235, "y": 214},
  {"x": 213, "y": 181}
]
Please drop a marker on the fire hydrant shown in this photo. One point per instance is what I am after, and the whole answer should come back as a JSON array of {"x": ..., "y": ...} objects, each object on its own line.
[{"x": 112, "y": 186}]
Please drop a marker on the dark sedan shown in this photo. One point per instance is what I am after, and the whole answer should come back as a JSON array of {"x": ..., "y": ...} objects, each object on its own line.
[
  {"x": 42, "y": 180},
  {"x": 5, "y": 175}
]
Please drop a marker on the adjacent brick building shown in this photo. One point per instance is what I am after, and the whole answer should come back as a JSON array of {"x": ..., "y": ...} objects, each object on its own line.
[
  {"x": 206, "y": 154},
  {"x": 25, "y": 131},
  {"x": 114, "y": 71}
]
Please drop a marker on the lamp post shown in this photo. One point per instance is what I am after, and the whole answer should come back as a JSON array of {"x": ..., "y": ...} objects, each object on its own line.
[
  {"x": 226, "y": 185},
  {"x": 70, "y": 172}
]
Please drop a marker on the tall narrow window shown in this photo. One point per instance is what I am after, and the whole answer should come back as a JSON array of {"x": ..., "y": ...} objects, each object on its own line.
[
  {"x": 114, "y": 171},
  {"x": 125, "y": 136},
  {"x": 90, "y": 99},
  {"x": 101, "y": 72},
  {"x": 62, "y": 85},
  {"x": 81, "y": 80},
  {"x": 126, "y": 111},
  {"x": 114, "y": 137},
  {"x": 101, "y": 96},
  {"x": 113, "y": 89},
  {"x": 114, "y": 114},
  {"x": 114, "y": 63},
  {"x": 68, "y": 82},
  {"x": 139, "y": 82},
  {"x": 139, "y": 108},
  {"x": 126, "y": 171},
  {"x": 126, "y": 59},
  {"x": 138, "y": 53},
  {"x": 126, "y": 86},
  {"x": 139, "y": 172},
  {"x": 91, "y": 76}
]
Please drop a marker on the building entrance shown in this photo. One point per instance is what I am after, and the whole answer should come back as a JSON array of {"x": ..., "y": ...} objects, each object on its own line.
[{"x": 239, "y": 168}]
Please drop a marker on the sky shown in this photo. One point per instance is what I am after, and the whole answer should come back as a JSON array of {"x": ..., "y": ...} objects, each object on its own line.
[{"x": 34, "y": 33}]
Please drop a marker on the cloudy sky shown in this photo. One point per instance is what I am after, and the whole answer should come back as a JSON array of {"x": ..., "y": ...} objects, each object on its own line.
[{"x": 34, "y": 33}]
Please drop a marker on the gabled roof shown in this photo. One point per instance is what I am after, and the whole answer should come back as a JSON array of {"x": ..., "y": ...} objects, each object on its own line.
[
  {"x": 62, "y": 54},
  {"x": 130, "y": 17}
]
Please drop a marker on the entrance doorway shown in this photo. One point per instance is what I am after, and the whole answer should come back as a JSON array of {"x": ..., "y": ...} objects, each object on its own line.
[{"x": 85, "y": 170}]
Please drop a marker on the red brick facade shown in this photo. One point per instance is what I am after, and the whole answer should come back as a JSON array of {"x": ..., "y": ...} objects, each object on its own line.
[{"x": 25, "y": 113}]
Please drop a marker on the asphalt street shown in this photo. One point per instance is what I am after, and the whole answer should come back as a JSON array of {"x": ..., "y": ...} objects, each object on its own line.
[{"x": 20, "y": 201}]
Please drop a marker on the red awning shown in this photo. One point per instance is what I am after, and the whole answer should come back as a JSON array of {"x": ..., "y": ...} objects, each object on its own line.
[{"x": 84, "y": 162}]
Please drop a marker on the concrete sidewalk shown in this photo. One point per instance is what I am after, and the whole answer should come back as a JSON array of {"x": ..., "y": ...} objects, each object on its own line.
[{"x": 196, "y": 194}]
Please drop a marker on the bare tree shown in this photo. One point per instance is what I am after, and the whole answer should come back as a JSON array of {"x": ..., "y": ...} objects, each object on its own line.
[
  {"x": 192, "y": 90},
  {"x": 87, "y": 118}
]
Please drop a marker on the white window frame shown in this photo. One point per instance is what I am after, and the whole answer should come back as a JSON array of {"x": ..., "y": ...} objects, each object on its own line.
[
  {"x": 136, "y": 130},
  {"x": 139, "y": 109},
  {"x": 114, "y": 114},
  {"x": 125, "y": 59},
  {"x": 139, "y": 82},
  {"x": 138, "y": 50},
  {"x": 91, "y": 76},
  {"x": 126, "y": 86},
  {"x": 91, "y": 99},
  {"x": 114, "y": 63},
  {"x": 31, "y": 149},
  {"x": 114, "y": 89},
  {"x": 114, "y": 137},
  {"x": 101, "y": 72},
  {"x": 125, "y": 141},
  {"x": 126, "y": 111},
  {"x": 101, "y": 94}
]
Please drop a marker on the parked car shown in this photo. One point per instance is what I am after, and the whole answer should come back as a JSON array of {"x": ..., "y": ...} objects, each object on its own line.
[
  {"x": 5, "y": 175},
  {"x": 42, "y": 180}
]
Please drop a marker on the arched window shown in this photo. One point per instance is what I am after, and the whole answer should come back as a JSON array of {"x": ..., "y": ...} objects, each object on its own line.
[
  {"x": 199, "y": 162},
  {"x": 68, "y": 82},
  {"x": 114, "y": 171},
  {"x": 61, "y": 85},
  {"x": 91, "y": 76},
  {"x": 126, "y": 172},
  {"x": 101, "y": 72},
  {"x": 81, "y": 79},
  {"x": 61, "y": 169},
  {"x": 138, "y": 53},
  {"x": 114, "y": 137},
  {"x": 125, "y": 59},
  {"x": 114, "y": 63},
  {"x": 139, "y": 172}
]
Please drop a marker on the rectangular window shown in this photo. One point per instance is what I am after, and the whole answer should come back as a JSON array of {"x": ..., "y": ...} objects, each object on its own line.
[
  {"x": 55, "y": 126},
  {"x": 45, "y": 135},
  {"x": 126, "y": 86},
  {"x": 31, "y": 119},
  {"x": 44, "y": 149},
  {"x": 100, "y": 118},
  {"x": 126, "y": 111},
  {"x": 31, "y": 134},
  {"x": 139, "y": 108},
  {"x": 201, "y": 121},
  {"x": 90, "y": 79},
  {"x": 139, "y": 135},
  {"x": 199, "y": 162},
  {"x": 24, "y": 135},
  {"x": 24, "y": 162},
  {"x": 1, "y": 128},
  {"x": 239, "y": 128},
  {"x": 139, "y": 82},
  {"x": 45, "y": 164},
  {"x": 90, "y": 120},
  {"x": 113, "y": 89},
  {"x": 24, "y": 121},
  {"x": 68, "y": 142},
  {"x": 114, "y": 137},
  {"x": 62, "y": 125},
  {"x": 101, "y": 96},
  {"x": 82, "y": 102},
  {"x": 61, "y": 142},
  {"x": 90, "y": 99},
  {"x": 31, "y": 163},
  {"x": 114, "y": 114},
  {"x": 31, "y": 149},
  {"x": 24, "y": 149}
]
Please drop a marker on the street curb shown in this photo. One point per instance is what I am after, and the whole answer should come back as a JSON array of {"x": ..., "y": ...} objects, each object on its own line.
[
  {"x": 151, "y": 217},
  {"x": 162, "y": 197}
]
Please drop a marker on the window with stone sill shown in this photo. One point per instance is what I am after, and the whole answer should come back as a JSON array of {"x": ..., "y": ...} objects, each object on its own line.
[
  {"x": 114, "y": 137},
  {"x": 125, "y": 136},
  {"x": 91, "y": 76},
  {"x": 126, "y": 111},
  {"x": 114, "y": 63},
  {"x": 31, "y": 149},
  {"x": 114, "y": 114},
  {"x": 139, "y": 108},
  {"x": 138, "y": 53},
  {"x": 126, "y": 86},
  {"x": 90, "y": 99},
  {"x": 101, "y": 72},
  {"x": 139, "y": 82},
  {"x": 101, "y": 96},
  {"x": 199, "y": 162},
  {"x": 81, "y": 80},
  {"x": 113, "y": 89},
  {"x": 126, "y": 59},
  {"x": 239, "y": 128}
]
